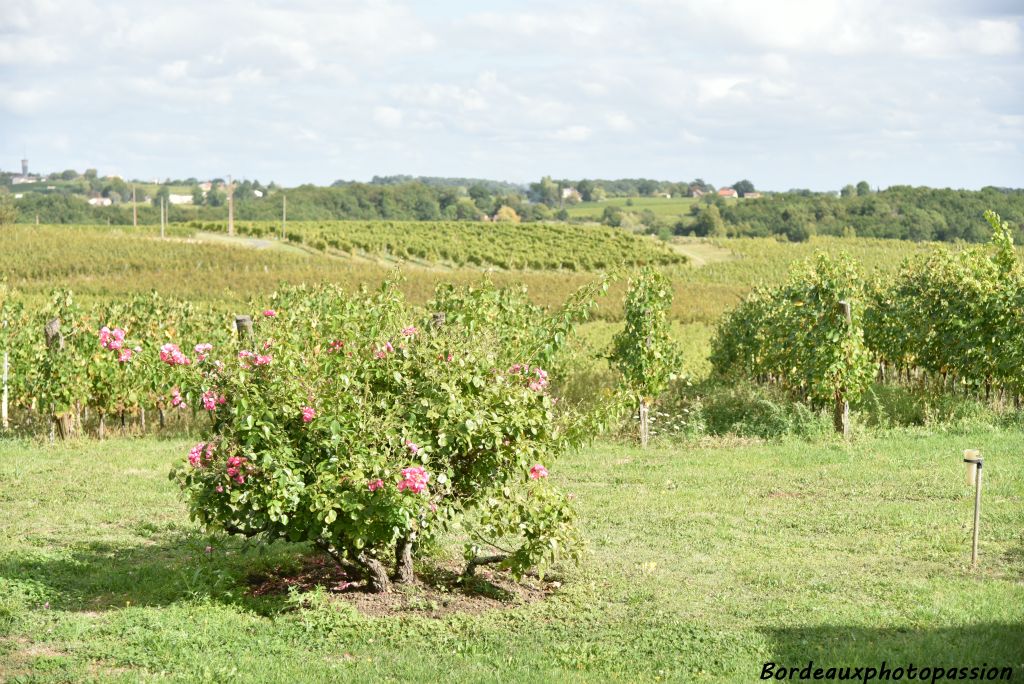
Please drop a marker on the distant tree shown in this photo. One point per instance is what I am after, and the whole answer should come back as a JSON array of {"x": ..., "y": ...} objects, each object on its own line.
[
  {"x": 197, "y": 195},
  {"x": 797, "y": 223},
  {"x": 709, "y": 222},
  {"x": 849, "y": 190},
  {"x": 743, "y": 187},
  {"x": 647, "y": 187},
  {"x": 863, "y": 189},
  {"x": 702, "y": 185},
  {"x": 69, "y": 174},
  {"x": 448, "y": 197},
  {"x": 466, "y": 210},
  {"x": 540, "y": 212},
  {"x": 598, "y": 194},
  {"x": 164, "y": 193},
  {"x": 506, "y": 214},
  {"x": 586, "y": 190},
  {"x": 116, "y": 187},
  {"x": 90, "y": 174},
  {"x": 612, "y": 216},
  {"x": 546, "y": 191},
  {"x": 426, "y": 208},
  {"x": 216, "y": 197},
  {"x": 481, "y": 197}
]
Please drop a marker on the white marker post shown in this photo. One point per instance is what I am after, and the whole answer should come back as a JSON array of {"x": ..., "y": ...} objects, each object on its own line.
[{"x": 973, "y": 461}]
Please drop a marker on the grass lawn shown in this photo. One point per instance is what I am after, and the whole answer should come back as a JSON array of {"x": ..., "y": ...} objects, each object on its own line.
[
  {"x": 661, "y": 206},
  {"x": 705, "y": 561}
]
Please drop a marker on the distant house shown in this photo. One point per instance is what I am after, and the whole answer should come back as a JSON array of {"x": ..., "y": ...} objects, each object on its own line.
[
  {"x": 666, "y": 195},
  {"x": 696, "y": 192},
  {"x": 100, "y": 201},
  {"x": 179, "y": 199},
  {"x": 206, "y": 187},
  {"x": 751, "y": 195},
  {"x": 571, "y": 195},
  {"x": 728, "y": 192},
  {"x": 258, "y": 193}
]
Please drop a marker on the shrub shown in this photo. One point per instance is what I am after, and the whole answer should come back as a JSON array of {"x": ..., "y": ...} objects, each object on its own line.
[
  {"x": 366, "y": 428},
  {"x": 644, "y": 352}
]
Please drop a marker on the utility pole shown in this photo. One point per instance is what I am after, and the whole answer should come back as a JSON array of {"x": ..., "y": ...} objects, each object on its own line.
[
  {"x": 231, "y": 207},
  {"x": 135, "y": 210},
  {"x": 284, "y": 213},
  {"x": 163, "y": 217}
]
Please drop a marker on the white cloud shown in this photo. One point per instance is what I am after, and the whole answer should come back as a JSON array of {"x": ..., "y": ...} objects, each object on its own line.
[
  {"x": 387, "y": 116},
  {"x": 718, "y": 88},
  {"x": 575, "y": 133},
  {"x": 28, "y": 101},
  {"x": 789, "y": 93},
  {"x": 995, "y": 37},
  {"x": 618, "y": 121}
]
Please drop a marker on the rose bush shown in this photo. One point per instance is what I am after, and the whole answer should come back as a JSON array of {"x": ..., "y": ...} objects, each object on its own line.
[{"x": 366, "y": 428}]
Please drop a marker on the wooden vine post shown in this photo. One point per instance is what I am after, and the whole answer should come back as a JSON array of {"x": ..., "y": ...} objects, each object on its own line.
[
  {"x": 841, "y": 414},
  {"x": 243, "y": 324},
  {"x": 63, "y": 424},
  {"x": 973, "y": 461}
]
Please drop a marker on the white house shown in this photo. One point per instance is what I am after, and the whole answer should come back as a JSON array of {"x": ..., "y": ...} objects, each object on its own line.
[
  {"x": 100, "y": 201},
  {"x": 179, "y": 199}
]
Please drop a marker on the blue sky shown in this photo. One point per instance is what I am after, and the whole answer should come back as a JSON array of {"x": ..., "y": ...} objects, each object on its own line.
[{"x": 788, "y": 94}]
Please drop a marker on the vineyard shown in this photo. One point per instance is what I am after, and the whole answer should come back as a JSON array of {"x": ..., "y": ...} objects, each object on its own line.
[
  {"x": 509, "y": 246},
  {"x": 101, "y": 263},
  {"x": 949, "y": 321}
]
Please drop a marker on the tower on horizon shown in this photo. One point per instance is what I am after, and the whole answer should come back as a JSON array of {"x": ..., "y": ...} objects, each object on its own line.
[{"x": 24, "y": 168}]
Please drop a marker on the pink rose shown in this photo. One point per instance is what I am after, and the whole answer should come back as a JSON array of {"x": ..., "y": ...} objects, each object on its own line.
[{"x": 414, "y": 479}]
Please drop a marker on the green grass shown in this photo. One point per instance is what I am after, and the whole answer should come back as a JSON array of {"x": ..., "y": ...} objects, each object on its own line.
[
  {"x": 661, "y": 206},
  {"x": 706, "y": 560}
]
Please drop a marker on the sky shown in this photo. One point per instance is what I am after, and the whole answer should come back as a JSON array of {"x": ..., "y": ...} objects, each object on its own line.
[{"x": 788, "y": 94}]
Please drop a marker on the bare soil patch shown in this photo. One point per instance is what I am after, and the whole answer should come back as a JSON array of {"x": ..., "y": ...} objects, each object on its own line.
[{"x": 439, "y": 589}]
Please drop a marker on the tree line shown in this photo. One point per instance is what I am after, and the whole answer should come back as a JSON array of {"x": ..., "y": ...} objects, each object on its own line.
[{"x": 899, "y": 212}]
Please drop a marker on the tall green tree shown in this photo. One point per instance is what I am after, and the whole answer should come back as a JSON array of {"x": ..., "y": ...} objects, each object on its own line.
[{"x": 743, "y": 187}]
